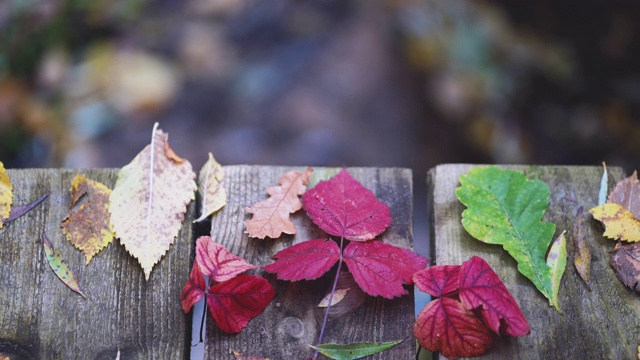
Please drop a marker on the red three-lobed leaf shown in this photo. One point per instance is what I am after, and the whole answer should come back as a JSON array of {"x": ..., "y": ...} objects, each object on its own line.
[
  {"x": 380, "y": 269},
  {"x": 305, "y": 261},
  {"x": 438, "y": 280},
  {"x": 194, "y": 289},
  {"x": 481, "y": 287},
  {"x": 217, "y": 262},
  {"x": 343, "y": 207},
  {"x": 234, "y": 302},
  {"x": 445, "y": 325}
]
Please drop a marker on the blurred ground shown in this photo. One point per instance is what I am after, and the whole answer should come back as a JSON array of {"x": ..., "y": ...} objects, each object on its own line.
[{"x": 402, "y": 83}]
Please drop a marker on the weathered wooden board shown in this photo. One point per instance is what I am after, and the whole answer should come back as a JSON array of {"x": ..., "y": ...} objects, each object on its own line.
[
  {"x": 40, "y": 318},
  {"x": 600, "y": 324},
  {"x": 292, "y": 321}
]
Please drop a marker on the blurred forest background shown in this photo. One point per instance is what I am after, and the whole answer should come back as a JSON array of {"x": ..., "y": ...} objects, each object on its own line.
[{"x": 405, "y": 83}]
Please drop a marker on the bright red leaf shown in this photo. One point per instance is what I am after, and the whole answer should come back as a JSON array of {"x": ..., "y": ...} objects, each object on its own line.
[
  {"x": 481, "y": 287},
  {"x": 194, "y": 289},
  {"x": 343, "y": 207},
  {"x": 305, "y": 261},
  {"x": 438, "y": 280},
  {"x": 380, "y": 268},
  {"x": 217, "y": 262},
  {"x": 445, "y": 325},
  {"x": 234, "y": 302}
]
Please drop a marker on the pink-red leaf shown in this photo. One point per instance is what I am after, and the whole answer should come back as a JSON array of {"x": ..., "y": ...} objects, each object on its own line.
[
  {"x": 343, "y": 207},
  {"x": 438, "y": 280},
  {"x": 233, "y": 303},
  {"x": 445, "y": 325},
  {"x": 194, "y": 289},
  {"x": 217, "y": 262},
  {"x": 481, "y": 287},
  {"x": 305, "y": 261},
  {"x": 380, "y": 269}
]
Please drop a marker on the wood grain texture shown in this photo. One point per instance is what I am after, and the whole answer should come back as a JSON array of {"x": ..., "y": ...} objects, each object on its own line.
[
  {"x": 598, "y": 324},
  {"x": 40, "y": 318},
  {"x": 292, "y": 321}
]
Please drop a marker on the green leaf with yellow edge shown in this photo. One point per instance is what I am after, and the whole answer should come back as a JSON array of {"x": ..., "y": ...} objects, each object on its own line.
[
  {"x": 619, "y": 223},
  {"x": 60, "y": 266},
  {"x": 88, "y": 225},
  {"x": 557, "y": 261},
  {"x": 6, "y": 195},
  {"x": 149, "y": 201},
  {"x": 505, "y": 208},
  {"x": 213, "y": 196},
  {"x": 354, "y": 351}
]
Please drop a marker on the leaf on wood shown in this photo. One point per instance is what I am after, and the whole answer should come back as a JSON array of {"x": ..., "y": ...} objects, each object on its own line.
[
  {"x": 627, "y": 194},
  {"x": 213, "y": 196},
  {"x": 352, "y": 300},
  {"x": 88, "y": 225},
  {"x": 504, "y": 207},
  {"x": 335, "y": 298},
  {"x": 305, "y": 261},
  {"x": 19, "y": 210},
  {"x": 6, "y": 195},
  {"x": 149, "y": 201},
  {"x": 271, "y": 216},
  {"x": 341, "y": 206},
  {"x": 354, "y": 351},
  {"x": 557, "y": 261},
  {"x": 217, "y": 262},
  {"x": 582, "y": 252},
  {"x": 438, "y": 280},
  {"x": 604, "y": 185},
  {"x": 625, "y": 260},
  {"x": 619, "y": 223},
  {"x": 194, "y": 289},
  {"x": 60, "y": 266},
  {"x": 239, "y": 356}
]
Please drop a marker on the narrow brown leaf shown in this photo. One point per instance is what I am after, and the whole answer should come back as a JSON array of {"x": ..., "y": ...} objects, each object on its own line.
[
  {"x": 19, "y": 210},
  {"x": 582, "y": 253}
]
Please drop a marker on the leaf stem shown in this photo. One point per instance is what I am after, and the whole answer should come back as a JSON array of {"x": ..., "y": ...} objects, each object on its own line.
[{"x": 333, "y": 291}]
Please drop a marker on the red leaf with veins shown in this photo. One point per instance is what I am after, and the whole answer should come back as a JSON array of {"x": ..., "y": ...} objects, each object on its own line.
[
  {"x": 233, "y": 303},
  {"x": 217, "y": 262},
  {"x": 445, "y": 325},
  {"x": 194, "y": 289},
  {"x": 481, "y": 287},
  {"x": 305, "y": 261},
  {"x": 381, "y": 269},
  {"x": 438, "y": 280},
  {"x": 343, "y": 207}
]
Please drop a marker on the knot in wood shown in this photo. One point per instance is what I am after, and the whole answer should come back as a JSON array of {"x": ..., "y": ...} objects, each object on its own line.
[{"x": 292, "y": 326}]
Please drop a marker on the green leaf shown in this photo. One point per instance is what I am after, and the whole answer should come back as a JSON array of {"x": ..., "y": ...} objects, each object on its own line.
[
  {"x": 354, "y": 351},
  {"x": 557, "y": 260},
  {"x": 505, "y": 208},
  {"x": 60, "y": 266}
]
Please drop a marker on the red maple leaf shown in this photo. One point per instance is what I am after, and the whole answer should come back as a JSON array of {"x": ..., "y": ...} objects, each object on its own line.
[
  {"x": 305, "y": 261},
  {"x": 343, "y": 207},
  {"x": 448, "y": 324},
  {"x": 233, "y": 299}
]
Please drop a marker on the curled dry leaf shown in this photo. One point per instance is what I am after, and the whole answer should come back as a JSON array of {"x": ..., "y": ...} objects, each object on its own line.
[
  {"x": 271, "y": 216},
  {"x": 625, "y": 260},
  {"x": 88, "y": 226},
  {"x": 582, "y": 252},
  {"x": 6, "y": 195},
  {"x": 149, "y": 201},
  {"x": 336, "y": 298},
  {"x": 213, "y": 196},
  {"x": 60, "y": 266}
]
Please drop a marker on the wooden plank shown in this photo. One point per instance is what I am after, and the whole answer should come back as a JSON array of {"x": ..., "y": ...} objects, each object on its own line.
[
  {"x": 292, "y": 321},
  {"x": 40, "y": 318},
  {"x": 598, "y": 324}
]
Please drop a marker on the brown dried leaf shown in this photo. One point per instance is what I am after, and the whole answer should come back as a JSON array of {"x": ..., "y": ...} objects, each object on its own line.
[
  {"x": 627, "y": 194},
  {"x": 625, "y": 260},
  {"x": 88, "y": 226},
  {"x": 337, "y": 297},
  {"x": 271, "y": 216},
  {"x": 582, "y": 253}
]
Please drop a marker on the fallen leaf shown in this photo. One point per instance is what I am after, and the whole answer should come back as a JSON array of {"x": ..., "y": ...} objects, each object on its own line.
[
  {"x": 604, "y": 184},
  {"x": 271, "y": 216},
  {"x": 619, "y": 223},
  {"x": 341, "y": 206},
  {"x": 19, "y": 210},
  {"x": 438, "y": 280},
  {"x": 217, "y": 262},
  {"x": 582, "y": 253},
  {"x": 557, "y": 261},
  {"x": 354, "y": 351},
  {"x": 352, "y": 300},
  {"x": 239, "y": 356},
  {"x": 337, "y": 297},
  {"x": 625, "y": 260},
  {"x": 88, "y": 226},
  {"x": 118, "y": 353},
  {"x": 60, "y": 266},
  {"x": 194, "y": 289},
  {"x": 6, "y": 195},
  {"x": 626, "y": 194},
  {"x": 213, "y": 196},
  {"x": 149, "y": 201},
  {"x": 307, "y": 260},
  {"x": 505, "y": 208}
]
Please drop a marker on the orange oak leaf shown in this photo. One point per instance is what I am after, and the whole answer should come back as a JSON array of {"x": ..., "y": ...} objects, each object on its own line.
[
  {"x": 87, "y": 226},
  {"x": 271, "y": 216},
  {"x": 149, "y": 200}
]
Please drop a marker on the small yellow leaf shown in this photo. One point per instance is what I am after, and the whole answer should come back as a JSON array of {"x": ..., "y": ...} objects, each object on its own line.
[
  {"x": 337, "y": 297},
  {"x": 619, "y": 223},
  {"x": 214, "y": 197},
  {"x": 6, "y": 195}
]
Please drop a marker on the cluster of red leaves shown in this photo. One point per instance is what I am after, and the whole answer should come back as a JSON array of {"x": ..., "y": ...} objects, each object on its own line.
[
  {"x": 233, "y": 299},
  {"x": 342, "y": 207},
  {"x": 449, "y": 324}
]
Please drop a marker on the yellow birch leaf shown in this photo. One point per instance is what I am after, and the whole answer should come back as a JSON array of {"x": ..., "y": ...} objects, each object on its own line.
[
  {"x": 6, "y": 195},
  {"x": 619, "y": 223},
  {"x": 88, "y": 226},
  {"x": 214, "y": 197},
  {"x": 149, "y": 201}
]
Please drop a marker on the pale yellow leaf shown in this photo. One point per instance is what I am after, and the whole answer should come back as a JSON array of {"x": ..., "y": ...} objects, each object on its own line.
[
  {"x": 6, "y": 195},
  {"x": 337, "y": 297},
  {"x": 149, "y": 201},
  {"x": 619, "y": 223},
  {"x": 213, "y": 196}
]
